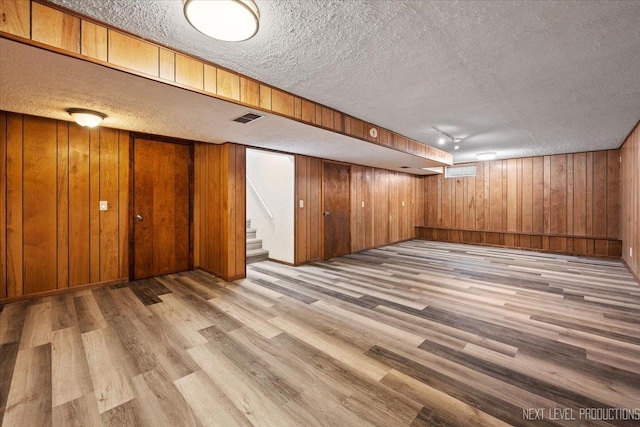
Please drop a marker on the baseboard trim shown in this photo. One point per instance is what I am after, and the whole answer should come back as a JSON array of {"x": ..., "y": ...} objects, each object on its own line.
[
  {"x": 593, "y": 246},
  {"x": 282, "y": 262},
  {"x": 225, "y": 278},
  {"x": 635, "y": 276},
  {"x": 64, "y": 290}
]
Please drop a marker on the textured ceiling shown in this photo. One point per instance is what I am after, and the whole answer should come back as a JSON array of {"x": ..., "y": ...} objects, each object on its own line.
[
  {"x": 521, "y": 78},
  {"x": 138, "y": 104}
]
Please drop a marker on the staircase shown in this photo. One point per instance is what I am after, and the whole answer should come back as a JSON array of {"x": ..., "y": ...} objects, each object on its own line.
[{"x": 255, "y": 253}]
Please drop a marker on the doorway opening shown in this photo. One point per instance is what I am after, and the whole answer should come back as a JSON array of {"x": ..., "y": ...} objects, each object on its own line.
[{"x": 270, "y": 206}]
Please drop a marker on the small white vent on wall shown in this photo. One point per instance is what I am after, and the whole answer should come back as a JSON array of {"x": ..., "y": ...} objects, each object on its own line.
[{"x": 460, "y": 171}]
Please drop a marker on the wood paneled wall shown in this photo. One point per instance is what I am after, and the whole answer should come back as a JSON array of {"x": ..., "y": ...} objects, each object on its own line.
[
  {"x": 219, "y": 209},
  {"x": 630, "y": 200},
  {"x": 54, "y": 174},
  {"x": 533, "y": 202},
  {"x": 308, "y": 218},
  {"x": 385, "y": 206},
  {"x": 66, "y": 32},
  {"x": 384, "y": 218}
]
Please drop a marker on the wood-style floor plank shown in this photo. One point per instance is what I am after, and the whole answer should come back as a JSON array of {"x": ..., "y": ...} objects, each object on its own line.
[
  {"x": 413, "y": 334},
  {"x": 70, "y": 377},
  {"x": 29, "y": 400}
]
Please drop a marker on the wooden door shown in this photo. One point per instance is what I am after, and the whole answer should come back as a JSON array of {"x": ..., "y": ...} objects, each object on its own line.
[
  {"x": 336, "y": 207},
  {"x": 161, "y": 208}
]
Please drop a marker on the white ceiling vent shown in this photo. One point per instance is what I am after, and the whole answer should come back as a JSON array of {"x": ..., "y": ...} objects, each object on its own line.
[
  {"x": 460, "y": 171},
  {"x": 248, "y": 118}
]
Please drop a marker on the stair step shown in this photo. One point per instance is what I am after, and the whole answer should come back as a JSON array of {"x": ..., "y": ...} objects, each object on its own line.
[
  {"x": 256, "y": 255},
  {"x": 254, "y": 244},
  {"x": 251, "y": 233}
]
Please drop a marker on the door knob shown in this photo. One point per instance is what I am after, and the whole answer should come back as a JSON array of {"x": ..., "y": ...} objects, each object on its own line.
[
  {"x": 139, "y": 217},
  {"x": 326, "y": 213}
]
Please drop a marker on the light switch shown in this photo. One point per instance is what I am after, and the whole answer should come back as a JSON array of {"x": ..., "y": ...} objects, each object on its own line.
[
  {"x": 104, "y": 205},
  {"x": 301, "y": 203},
  {"x": 403, "y": 203},
  {"x": 363, "y": 203}
]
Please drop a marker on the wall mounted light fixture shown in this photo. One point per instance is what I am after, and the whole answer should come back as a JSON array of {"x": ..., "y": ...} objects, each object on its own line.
[
  {"x": 87, "y": 118},
  {"x": 227, "y": 20}
]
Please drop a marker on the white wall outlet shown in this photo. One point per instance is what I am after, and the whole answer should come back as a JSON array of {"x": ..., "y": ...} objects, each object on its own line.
[
  {"x": 403, "y": 203},
  {"x": 363, "y": 203},
  {"x": 104, "y": 205},
  {"x": 301, "y": 203}
]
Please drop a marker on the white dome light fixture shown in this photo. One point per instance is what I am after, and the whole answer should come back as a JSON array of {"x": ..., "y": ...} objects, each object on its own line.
[
  {"x": 86, "y": 118},
  {"x": 227, "y": 20}
]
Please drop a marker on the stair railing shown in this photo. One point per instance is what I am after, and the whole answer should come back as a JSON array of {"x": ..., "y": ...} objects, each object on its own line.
[{"x": 255, "y": 190}]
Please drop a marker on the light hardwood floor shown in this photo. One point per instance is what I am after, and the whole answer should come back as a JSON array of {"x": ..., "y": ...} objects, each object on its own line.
[{"x": 417, "y": 333}]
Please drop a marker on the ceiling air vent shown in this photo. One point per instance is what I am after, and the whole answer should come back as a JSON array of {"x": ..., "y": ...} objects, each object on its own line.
[
  {"x": 460, "y": 171},
  {"x": 247, "y": 118}
]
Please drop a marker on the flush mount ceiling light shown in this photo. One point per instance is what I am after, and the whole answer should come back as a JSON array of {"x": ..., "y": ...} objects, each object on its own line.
[
  {"x": 486, "y": 156},
  {"x": 441, "y": 140},
  {"x": 227, "y": 20},
  {"x": 87, "y": 118}
]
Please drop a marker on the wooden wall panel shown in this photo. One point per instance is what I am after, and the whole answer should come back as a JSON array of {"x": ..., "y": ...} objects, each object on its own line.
[
  {"x": 368, "y": 196},
  {"x": 629, "y": 180},
  {"x": 265, "y": 97},
  {"x": 393, "y": 206},
  {"x": 579, "y": 194},
  {"x": 524, "y": 199},
  {"x": 357, "y": 208},
  {"x": 55, "y": 28},
  {"x": 600, "y": 193},
  {"x": 228, "y": 85},
  {"x": 79, "y": 211},
  {"x": 308, "y": 218},
  {"x": 15, "y": 125},
  {"x": 3, "y": 206},
  {"x": 512, "y": 194},
  {"x": 526, "y": 189},
  {"x": 93, "y": 40},
  {"x": 495, "y": 196},
  {"x": 188, "y": 72},
  {"x": 167, "y": 70},
  {"x": 109, "y": 233},
  {"x": 447, "y": 202},
  {"x": 557, "y": 194},
  {"x": 249, "y": 92},
  {"x": 381, "y": 211},
  {"x": 123, "y": 201},
  {"x": 39, "y": 147},
  {"x": 62, "y": 187},
  {"x": 613, "y": 193},
  {"x": 129, "y": 52},
  {"x": 219, "y": 209},
  {"x": 281, "y": 103},
  {"x": 210, "y": 79},
  {"x": 16, "y": 17},
  {"x": 56, "y": 174}
]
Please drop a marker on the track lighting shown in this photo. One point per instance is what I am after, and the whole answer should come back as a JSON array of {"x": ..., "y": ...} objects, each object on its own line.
[{"x": 442, "y": 140}]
